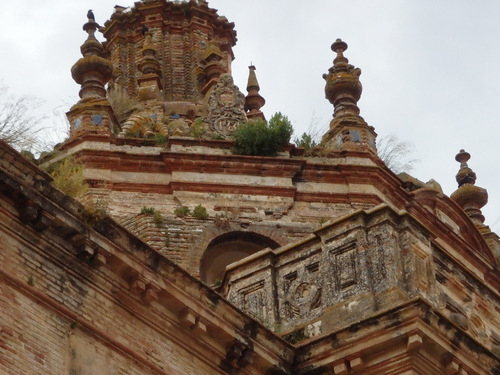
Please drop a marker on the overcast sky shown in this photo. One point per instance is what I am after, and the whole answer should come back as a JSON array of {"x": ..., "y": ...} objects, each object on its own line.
[{"x": 429, "y": 68}]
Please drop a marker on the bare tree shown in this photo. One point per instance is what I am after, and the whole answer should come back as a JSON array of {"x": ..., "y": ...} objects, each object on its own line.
[
  {"x": 19, "y": 125},
  {"x": 496, "y": 225},
  {"x": 312, "y": 138},
  {"x": 396, "y": 154}
]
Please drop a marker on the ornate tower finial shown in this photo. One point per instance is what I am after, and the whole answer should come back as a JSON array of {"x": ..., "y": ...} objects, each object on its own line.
[
  {"x": 343, "y": 90},
  {"x": 92, "y": 71},
  {"x": 92, "y": 113},
  {"x": 339, "y": 47},
  {"x": 254, "y": 101},
  {"x": 149, "y": 82},
  {"x": 470, "y": 197}
]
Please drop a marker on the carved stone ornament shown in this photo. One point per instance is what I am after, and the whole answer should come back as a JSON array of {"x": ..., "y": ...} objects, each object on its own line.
[
  {"x": 302, "y": 294},
  {"x": 226, "y": 106}
]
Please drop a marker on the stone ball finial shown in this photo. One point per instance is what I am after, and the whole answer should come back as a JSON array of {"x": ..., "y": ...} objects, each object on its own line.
[
  {"x": 462, "y": 156},
  {"x": 339, "y": 48},
  {"x": 470, "y": 197},
  {"x": 343, "y": 88},
  {"x": 339, "y": 45},
  {"x": 465, "y": 175}
]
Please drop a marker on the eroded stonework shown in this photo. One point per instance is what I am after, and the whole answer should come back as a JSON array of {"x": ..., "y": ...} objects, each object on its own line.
[
  {"x": 188, "y": 258},
  {"x": 348, "y": 271},
  {"x": 225, "y": 107}
]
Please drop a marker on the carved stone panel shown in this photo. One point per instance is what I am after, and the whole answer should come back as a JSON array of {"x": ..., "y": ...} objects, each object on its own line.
[
  {"x": 253, "y": 300},
  {"x": 384, "y": 261},
  {"x": 302, "y": 290},
  {"x": 344, "y": 260},
  {"x": 226, "y": 107},
  {"x": 378, "y": 262},
  {"x": 346, "y": 268},
  {"x": 422, "y": 269}
]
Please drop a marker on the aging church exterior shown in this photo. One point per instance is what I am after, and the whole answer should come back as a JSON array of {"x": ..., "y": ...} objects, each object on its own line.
[{"x": 302, "y": 263}]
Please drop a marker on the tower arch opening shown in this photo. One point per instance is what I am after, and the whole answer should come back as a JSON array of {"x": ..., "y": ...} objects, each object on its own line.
[{"x": 229, "y": 248}]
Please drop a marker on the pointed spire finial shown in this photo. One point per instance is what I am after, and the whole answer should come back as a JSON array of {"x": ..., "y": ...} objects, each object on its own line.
[
  {"x": 254, "y": 101},
  {"x": 252, "y": 84}
]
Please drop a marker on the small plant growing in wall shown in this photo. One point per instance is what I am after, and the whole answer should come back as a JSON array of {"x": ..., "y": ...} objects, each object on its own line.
[
  {"x": 200, "y": 212},
  {"x": 147, "y": 210},
  {"x": 157, "y": 217},
  {"x": 181, "y": 211},
  {"x": 69, "y": 177},
  {"x": 307, "y": 142},
  {"x": 197, "y": 129},
  {"x": 160, "y": 139},
  {"x": 96, "y": 209},
  {"x": 323, "y": 220},
  {"x": 263, "y": 138}
]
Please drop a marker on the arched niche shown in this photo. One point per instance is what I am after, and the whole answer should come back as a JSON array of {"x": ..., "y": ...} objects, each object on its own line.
[{"x": 228, "y": 248}]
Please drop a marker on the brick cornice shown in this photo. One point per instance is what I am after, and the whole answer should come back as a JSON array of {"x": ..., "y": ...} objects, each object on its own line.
[{"x": 111, "y": 253}]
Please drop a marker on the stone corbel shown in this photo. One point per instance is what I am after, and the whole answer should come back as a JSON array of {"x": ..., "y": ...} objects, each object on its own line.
[
  {"x": 246, "y": 358},
  {"x": 414, "y": 342},
  {"x": 187, "y": 318},
  {"x": 33, "y": 215},
  {"x": 89, "y": 251},
  {"x": 453, "y": 367},
  {"x": 190, "y": 320},
  {"x": 340, "y": 368},
  {"x": 354, "y": 364},
  {"x": 238, "y": 356},
  {"x": 148, "y": 291},
  {"x": 43, "y": 221},
  {"x": 137, "y": 285},
  {"x": 200, "y": 327},
  {"x": 150, "y": 294},
  {"x": 28, "y": 212}
]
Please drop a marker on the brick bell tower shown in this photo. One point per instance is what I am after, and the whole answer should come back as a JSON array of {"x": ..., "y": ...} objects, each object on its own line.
[
  {"x": 173, "y": 61},
  {"x": 193, "y": 47}
]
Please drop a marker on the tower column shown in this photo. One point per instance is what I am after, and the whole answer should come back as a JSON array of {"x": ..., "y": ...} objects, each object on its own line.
[
  {"x": 348, "y": 130},
  {"x": 93, "y": 113}
]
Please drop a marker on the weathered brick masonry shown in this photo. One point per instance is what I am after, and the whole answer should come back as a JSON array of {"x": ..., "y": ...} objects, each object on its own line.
[
  {"x": 208, "y": 262},
  {"x": 84, "y": 297}
]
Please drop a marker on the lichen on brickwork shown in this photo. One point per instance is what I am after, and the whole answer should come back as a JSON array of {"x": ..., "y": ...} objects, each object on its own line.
[{"x": 240, "y": 262}]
